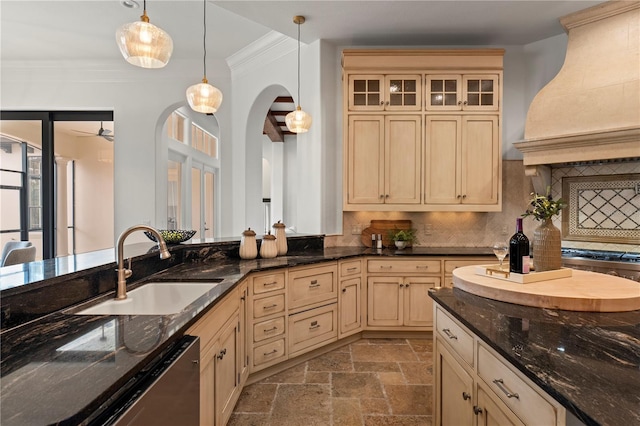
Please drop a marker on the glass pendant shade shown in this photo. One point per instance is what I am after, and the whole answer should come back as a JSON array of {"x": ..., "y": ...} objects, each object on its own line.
[
  {"x": 298, "y": 121},
  {"x": 143, "y": 44},
  {"x": 204, "y": 98}
]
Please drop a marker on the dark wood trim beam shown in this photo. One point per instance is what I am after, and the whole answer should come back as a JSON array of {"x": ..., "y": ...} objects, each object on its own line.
[
  {"x": 284, "y": 99},
  {"x": 272, "y": 129}
]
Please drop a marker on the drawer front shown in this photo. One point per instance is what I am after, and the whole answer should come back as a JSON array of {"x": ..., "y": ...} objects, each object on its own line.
[
  {"x": 458, "y": 339},
  {"x": 308, "y": 288},
  {"x": 266, "y": 283},
  {"x": 514, "y": 391},
  {"x": 312, "y": 327},
  {"x": 268, "y": 306},
  {"x": 450, "y": 265},
  {"x": 267, "y": 329},
  {"x": 404, "y": 266},
  {"x": 269, "y": 353},
  {"x": 351, "y": 267}
]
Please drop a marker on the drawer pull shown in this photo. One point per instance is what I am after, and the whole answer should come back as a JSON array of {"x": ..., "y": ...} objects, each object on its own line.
[
  {"x": 271, "y": 353},
  {"x": 352, "y": 269},
  {"x": 422, "y": 267},
  {"x": 314, "y": 325},
  {"x": 386, "y": 267},
  {"x": 465, "y": 396},
  {"x": 271, "y": 283},
  {"x": 500, "y": 384},
  {"x": 267, "y": 330},
  {"x": 314, "y": 283},
  {"x": 271, "y": 306},
  {"x": 449, "y": 334},
  {"x": 477, "y": 410}
]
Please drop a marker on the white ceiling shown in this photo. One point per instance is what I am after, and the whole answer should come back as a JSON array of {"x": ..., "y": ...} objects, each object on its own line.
[{"x": 85, "y": 29}]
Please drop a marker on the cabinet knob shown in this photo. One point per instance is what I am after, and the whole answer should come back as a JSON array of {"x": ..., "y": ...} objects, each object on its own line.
[
  {"x": 458, "y": 196},
  {"x": 381, "y": 102},
  {"x": 401, "y": 285},
  {"x": 386, "y": 103},
  {"x": 386, "y": 196},
  {"x": 406, "y": 285},
  {"x": 477, "y": 410},
  {"x": 381, "y": 196},
  {"x": 222, "y": 354},
  {"x": 459, "y": 102},
  {"x": 344, "y": 290},
  {"x": 465, "y": 103},
  {"x": 465, "y": 396},
  {"x": 464, "y": 196}
]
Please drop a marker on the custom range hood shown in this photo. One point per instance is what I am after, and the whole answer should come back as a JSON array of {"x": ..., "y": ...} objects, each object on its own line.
[{"x": 591, "y": 110}]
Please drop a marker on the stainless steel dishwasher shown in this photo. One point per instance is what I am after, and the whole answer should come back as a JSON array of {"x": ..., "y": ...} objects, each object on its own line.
[{"x": 168, "y": 394}]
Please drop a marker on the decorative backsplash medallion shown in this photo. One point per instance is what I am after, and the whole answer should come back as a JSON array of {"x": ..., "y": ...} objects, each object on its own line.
[{"x": 602, "y": 208}]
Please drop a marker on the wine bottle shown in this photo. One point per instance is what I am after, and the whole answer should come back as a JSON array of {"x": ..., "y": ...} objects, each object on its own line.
[{"x": 518, "y": 247}]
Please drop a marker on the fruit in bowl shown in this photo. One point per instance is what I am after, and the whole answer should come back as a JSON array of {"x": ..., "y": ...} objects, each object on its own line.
[{"x": 172, "y": 236}]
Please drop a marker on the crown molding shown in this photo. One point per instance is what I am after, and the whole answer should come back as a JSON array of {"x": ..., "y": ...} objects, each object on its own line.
[{"x": 268, "y": 48}]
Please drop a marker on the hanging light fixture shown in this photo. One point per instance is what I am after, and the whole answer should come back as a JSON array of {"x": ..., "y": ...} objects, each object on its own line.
[
  {"x": 298, "y": 121},
  {"x": 203, "y": 97},
  {"x": 143, "y": 44}
]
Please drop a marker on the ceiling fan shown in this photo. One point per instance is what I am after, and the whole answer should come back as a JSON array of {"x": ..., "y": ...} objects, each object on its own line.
[{"x": 102, "y": 132}]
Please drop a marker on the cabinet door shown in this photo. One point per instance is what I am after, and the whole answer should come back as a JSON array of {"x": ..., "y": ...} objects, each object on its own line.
[
  {"x": 366, "y": 93},
  {"x": 443, "y": 92},
  {"x": 403, "y": 92},
  {"x": 365, "y": 162},
  {"x": 227, "y": 374},
  {"x": 384, "y": 301},
  {"x": 454, "y": 391},
  {"x": 402, "y": 159},
  {"x": 480, "y": 162},
  {"x": 491, "y": 411},
  {"x": 480, "y": 92},
  {"x": 418, "y": 306},
  {"x": 443, "y": 140},
  {"x": 349, "y": 307}
]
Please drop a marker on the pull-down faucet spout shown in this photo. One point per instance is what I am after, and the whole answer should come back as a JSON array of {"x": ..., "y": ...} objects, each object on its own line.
[{"x": 124, "y": 273}]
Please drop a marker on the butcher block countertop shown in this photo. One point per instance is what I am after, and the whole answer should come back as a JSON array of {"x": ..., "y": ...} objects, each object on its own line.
[{"x": 583, "y": 291}]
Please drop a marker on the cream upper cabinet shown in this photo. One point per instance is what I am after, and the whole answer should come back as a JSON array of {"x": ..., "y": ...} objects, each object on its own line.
[
  {"x": 462, "y": 158},
  {"x": 422, "y": 130},
  {"x": 385, "y": 92},
  {"x": 451, "y": 92},
  {"x": 384, "y": 159}
]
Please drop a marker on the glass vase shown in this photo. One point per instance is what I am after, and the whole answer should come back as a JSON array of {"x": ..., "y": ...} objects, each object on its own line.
[{"x": 547, "y": 242}]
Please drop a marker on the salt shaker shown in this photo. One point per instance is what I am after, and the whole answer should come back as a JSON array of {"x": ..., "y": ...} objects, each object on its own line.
[
  {"x": 248, "y": 246},
  {"x": 268, "y": 248},
  {"x": 281, "y": 238}
]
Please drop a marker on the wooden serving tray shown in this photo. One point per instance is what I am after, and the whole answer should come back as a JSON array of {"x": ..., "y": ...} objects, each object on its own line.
[
  {"x": 494, "y": 271},
  {"x": 582, "y": 291}
]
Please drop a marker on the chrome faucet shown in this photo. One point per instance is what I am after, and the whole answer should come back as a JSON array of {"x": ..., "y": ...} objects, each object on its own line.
[{"x": 124, "y": 273}]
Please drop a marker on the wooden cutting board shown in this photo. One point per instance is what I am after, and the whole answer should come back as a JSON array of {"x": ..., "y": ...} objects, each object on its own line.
[
  {"x": 383, "y": 227},
  {"x": 583, "y": 291}
]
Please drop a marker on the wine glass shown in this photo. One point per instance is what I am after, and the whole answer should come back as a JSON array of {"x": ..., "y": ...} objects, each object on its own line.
[{"x": 501, "y": 250}]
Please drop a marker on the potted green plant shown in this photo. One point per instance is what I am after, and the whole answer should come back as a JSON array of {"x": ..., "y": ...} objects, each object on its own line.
[
  {"x": 403, "y": 237},
  {"x": 547, "y": 240}
]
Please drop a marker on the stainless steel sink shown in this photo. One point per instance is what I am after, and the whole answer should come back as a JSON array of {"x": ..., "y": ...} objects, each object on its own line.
[{"x": 155, "y": 298}]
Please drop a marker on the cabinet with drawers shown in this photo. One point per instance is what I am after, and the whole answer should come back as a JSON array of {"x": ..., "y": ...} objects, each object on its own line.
[
  {"x": 268, "y": 319},
  {"x": 474, "y": 385},
  {"x": 313, "y": 307},
  {"x": 397, "y": 293}
]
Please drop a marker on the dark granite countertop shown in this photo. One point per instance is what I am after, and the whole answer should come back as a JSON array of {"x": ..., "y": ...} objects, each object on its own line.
[
  {"x": 63, "y": 368},
  {"x": 589, "y": 362}
]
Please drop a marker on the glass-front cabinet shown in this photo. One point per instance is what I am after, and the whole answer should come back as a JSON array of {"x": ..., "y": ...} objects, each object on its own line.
[
  {"x": 385, "y": 92},
  {"x": 462, "y": 92}
]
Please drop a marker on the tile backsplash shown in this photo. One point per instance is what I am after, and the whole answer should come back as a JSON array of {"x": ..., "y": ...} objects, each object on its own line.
[{"x": 472, "y": 229}]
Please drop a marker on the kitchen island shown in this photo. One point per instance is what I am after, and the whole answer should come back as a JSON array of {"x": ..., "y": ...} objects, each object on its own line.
[{"x": 588, "y": 362}]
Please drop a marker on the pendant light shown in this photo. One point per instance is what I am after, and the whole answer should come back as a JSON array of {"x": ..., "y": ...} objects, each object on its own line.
[
  {"x": 143, "y": 44},
  {"x": 203, "y": 97},
  {"x": 298, "y": 121}
]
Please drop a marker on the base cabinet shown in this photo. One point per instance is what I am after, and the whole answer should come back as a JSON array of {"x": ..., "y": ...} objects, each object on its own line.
[
  {"x": 476, "y": 386},
  {"x": 221, "y": 341},
  {"x": 349, "y": 297}
]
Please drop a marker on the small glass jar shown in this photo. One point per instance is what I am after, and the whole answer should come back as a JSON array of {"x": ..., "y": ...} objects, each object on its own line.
[
  {"x": 248, "y": 245},
  {"x": 268, "y": 248},
  {"x": 281, "y": 238}
]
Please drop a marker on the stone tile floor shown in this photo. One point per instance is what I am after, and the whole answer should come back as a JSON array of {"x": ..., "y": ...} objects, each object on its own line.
[{"x": 371, "y": 382}]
